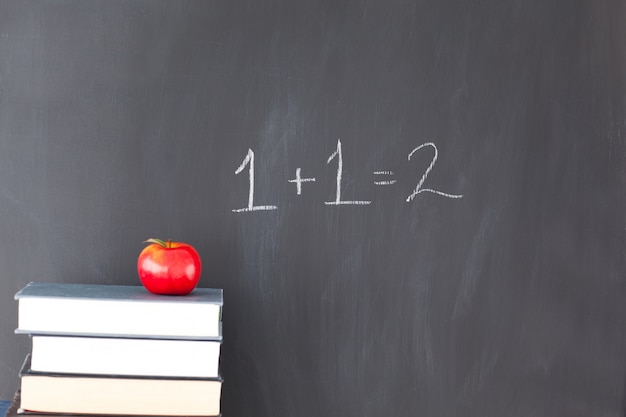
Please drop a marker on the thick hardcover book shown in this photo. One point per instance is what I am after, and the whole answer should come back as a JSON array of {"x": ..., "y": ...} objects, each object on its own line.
[
  {"x": 125, "y": 356},
  {"x": 118, "y": 311},
  {"x": 4, "y": 407},
  {"x": 85, "y": 394},
  {"x": 14, "y": 410}
]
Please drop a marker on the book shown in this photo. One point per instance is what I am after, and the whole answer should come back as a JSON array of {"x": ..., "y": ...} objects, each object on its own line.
[
  {"x": 88, "y": 394},
  {"x": 125, "y": 356},
  {"x": 5, "y": 407},
  {"x": 13, "y": 409},
  {"x": 118, "y": 311}
]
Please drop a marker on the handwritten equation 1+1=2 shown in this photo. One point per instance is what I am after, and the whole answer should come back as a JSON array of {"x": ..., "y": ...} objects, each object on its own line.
[{"x": 337, "y": 157}]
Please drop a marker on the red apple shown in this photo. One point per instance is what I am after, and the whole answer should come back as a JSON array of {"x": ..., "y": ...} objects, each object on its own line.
[{"x": 171, "y": 268}]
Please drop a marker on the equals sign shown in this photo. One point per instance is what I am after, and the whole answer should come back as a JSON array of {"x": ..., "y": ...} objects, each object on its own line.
[{"x": 384, "y": 182}]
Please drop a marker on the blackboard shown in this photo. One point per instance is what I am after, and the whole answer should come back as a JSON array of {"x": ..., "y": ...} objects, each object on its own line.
[{"x": 415, "y": 208}]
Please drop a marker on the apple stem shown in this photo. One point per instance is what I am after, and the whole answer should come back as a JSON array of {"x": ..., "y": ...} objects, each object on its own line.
[{"x": 159, "y": 242}]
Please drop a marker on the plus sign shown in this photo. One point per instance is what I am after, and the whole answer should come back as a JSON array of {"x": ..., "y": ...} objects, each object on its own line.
[{"x": 299, "y": 180}]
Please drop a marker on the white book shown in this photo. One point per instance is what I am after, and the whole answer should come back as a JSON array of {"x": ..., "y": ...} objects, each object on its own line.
[
  {"x": 125, "y": 356},
  {"x": 88, "y": 394},
  {"x": 118, "y": 311}
]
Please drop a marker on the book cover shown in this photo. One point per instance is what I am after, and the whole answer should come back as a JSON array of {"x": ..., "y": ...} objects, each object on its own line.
[
  {"x": 118, "y": 311},
  {"x": 125, "y": 356},
  {"x": 14, "y": 410},
  {"x": 84, "y": 394}
]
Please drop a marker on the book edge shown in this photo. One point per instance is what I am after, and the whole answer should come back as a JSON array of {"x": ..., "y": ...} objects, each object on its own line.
[
  {"x": 102, "y": 335},
  {"x": 15, "y": 411},
  {"x": 199, "y": 295}
]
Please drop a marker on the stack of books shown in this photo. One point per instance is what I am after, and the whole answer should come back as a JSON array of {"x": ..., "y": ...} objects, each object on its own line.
[{"x": 119, "y": 350}]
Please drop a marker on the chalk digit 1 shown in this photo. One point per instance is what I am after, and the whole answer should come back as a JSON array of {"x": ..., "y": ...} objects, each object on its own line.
[
  {"x": 337, "y": 154},
  {"x": 249, "y": 161}
]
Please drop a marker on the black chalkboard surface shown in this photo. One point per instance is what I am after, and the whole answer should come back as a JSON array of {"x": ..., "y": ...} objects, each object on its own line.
[{"x": 415, "y": 208}]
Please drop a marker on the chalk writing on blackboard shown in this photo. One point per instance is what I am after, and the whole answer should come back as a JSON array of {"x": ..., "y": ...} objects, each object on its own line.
[
  {"x": 384, "y": 182},
  {"x": 386, "y": 179},
  {"x": 338, "y": 201},
  {"x": 299, "y": 180},
  {"x": 249, "y": 161},
  {"x": 419, "y": 188}
]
